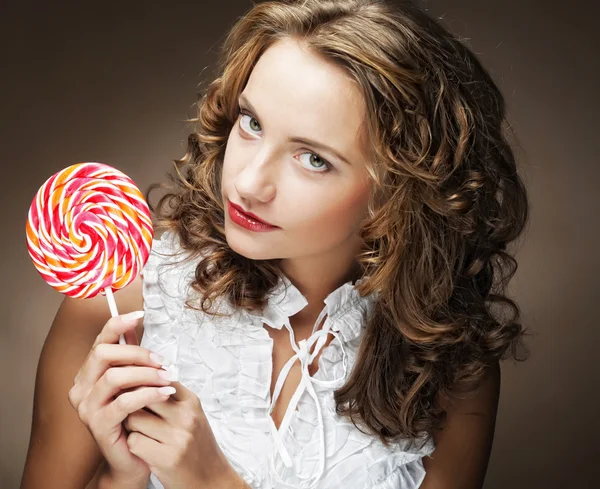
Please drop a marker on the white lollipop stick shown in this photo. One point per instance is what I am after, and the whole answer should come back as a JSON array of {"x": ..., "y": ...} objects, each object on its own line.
[{"x": 112, "y": 305}]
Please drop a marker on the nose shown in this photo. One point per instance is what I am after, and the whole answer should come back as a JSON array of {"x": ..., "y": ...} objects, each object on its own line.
[{"x": 256, "y": 180}]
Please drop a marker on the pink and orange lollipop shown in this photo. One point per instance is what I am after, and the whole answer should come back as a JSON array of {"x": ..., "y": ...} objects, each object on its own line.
[{"x": 89, "y": 231}]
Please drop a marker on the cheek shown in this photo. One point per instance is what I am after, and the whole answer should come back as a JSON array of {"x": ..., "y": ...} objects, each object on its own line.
[
  {"x": 341, "y": 214},
  {"x": 228, "y": 156},
  {"x": 231, "y": 158}
]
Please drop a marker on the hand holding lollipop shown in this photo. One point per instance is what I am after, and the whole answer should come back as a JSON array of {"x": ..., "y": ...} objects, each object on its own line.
[{"x": 89, "y": 231}]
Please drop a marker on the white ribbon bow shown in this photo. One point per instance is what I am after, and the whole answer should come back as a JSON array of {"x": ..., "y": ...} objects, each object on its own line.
[{"x": 306, "y": 383}]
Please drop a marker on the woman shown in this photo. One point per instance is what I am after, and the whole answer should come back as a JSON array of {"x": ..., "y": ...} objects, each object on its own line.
[{"x": 367, "y": 143}]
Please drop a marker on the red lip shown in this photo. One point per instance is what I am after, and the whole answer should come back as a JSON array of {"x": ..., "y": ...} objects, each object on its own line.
[{"x": 249, "y": 214}]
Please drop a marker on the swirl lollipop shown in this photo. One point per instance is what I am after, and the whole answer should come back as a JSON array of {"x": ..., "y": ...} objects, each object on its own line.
[{"x": 89, "y": 231}]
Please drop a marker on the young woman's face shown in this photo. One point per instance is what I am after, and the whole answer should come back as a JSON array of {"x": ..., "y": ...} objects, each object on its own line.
[{"x": 316, "y": 199}]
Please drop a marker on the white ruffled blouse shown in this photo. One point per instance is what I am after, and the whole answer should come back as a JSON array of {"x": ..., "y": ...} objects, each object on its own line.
[{"x": 227, "y": 363}]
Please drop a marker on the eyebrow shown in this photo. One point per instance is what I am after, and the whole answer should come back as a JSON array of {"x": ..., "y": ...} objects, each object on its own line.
[{"x": 310, "y": 142}]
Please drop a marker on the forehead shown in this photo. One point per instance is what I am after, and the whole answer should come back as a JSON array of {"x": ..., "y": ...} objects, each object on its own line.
[{"x": 301, "y": 94}]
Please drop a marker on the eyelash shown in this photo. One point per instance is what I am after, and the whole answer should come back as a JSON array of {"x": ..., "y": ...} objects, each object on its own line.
[{"x": 328, "y": 165}]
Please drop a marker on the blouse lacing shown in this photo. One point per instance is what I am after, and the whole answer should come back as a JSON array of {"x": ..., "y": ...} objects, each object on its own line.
[{"x": 306, "y": 358}]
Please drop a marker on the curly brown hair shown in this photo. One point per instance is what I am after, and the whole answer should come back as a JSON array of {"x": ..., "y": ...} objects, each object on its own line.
[{"x": 447, "y": 201}]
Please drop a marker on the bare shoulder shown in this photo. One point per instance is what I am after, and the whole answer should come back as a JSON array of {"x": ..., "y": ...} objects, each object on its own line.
[
  {"x": 86, "y": 317},
  {"x": 58, "y": 438}
]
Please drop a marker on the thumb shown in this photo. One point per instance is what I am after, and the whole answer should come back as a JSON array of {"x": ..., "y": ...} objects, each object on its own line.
[{"x": 118, "y": 325}]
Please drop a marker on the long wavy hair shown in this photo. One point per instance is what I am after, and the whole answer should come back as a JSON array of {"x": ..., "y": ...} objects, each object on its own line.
[{"x": 447, "y": 201}]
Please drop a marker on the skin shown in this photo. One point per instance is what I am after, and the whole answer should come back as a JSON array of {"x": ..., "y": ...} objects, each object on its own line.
[
  {"x": 317, "y": 200},
  {"x": 294, "y": 93}
]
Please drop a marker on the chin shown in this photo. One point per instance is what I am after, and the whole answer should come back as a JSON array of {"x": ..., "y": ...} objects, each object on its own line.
[{"x": 253, "y": 250}]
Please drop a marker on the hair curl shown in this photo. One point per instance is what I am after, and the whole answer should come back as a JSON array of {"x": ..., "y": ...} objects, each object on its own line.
[{"x": 447, "y": 201}]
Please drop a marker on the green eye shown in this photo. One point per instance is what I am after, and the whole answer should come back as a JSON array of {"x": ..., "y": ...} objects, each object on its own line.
[
  {"x": 253, "y": 124},
  {"x": 314, "y": 160}
]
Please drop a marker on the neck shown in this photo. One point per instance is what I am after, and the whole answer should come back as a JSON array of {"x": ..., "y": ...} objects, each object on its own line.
[{"x": 316, "y": 276}]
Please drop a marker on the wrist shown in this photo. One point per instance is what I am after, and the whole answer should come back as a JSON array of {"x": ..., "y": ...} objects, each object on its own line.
[
  {"x": 110, "y": 480},
  {"x": 221, "y": 475},
  {"x": 230, "y": 479}
]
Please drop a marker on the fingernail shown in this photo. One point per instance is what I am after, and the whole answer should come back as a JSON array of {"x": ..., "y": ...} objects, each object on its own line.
[
  {"x": 156, "y": 358},
  {"x": 167, "y": 390},
  {"x": 132, "y": 317},
  {"x": 173, "y": 372},
  {"x": 169, "y": 374},
  {"x": 164, "y": 374}
]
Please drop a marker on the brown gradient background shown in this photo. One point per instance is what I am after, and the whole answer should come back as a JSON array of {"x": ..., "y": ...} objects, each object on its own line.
[{"x": 113, "y": 82}]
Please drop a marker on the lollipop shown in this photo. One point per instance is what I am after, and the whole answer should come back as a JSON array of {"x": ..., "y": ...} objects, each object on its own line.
[{"x": 89, "y": 231}]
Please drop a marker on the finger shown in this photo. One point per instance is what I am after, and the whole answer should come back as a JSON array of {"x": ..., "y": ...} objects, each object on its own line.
[
  {"x": 182, "y": 393},
  {"x": 114, "y": 328},
  {"x": 131, "y": 337},
  {"x": 127, "y": 403},
  {"x": 167, "y": 410},
  {"x": 116, "y": 379},
  {"x": 118, "y": 325},
  {"x": 149, "y": 450},
  {"x": 148, "y": 424},
  {"x": 104, "y": 356},
  {"x": 170, "y": 410}
]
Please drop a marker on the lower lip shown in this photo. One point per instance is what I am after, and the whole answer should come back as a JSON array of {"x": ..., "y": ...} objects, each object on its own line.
[{"x": 247, "y": 222}]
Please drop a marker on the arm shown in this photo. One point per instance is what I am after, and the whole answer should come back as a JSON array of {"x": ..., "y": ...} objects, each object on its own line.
[
  {"x": 103, "y": 480},
  {"x": 62, "y": 453},
  {"x": 463, "y": 448}
]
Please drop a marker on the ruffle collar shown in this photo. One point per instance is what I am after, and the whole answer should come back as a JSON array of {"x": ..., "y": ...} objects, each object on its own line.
[{"x": 285, "y": 300}]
